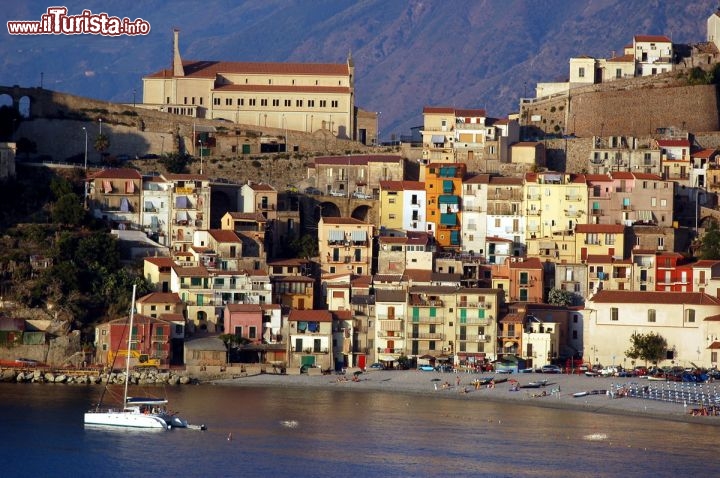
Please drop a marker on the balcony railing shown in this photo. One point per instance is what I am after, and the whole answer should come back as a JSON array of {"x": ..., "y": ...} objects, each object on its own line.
[
  {"x": 427, "y": 320},
  {"x": 426, "y": 302},
  {"x": 385, "y": 334},
  {"x": 426, "y": 336}
]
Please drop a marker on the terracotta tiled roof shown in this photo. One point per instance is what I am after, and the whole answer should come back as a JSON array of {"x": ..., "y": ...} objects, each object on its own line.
[
  {"x": 417, "y": 275},
  {"x": 674, "y": 143},
  {"x": 118, "y": 173},
  {"x": 160, "y": 261},
  {"x": 652, "y": 38},
  {"x": 633, "y": 297},
  {"x": 283, "y": 88},
  {"x": 392, "y": 278},
  {"x": 160, "y": 297},
  {"x": 261, "y": 187},
  {"x": 704, "y": 153},
  {"x": 622, "y": 59},
  {"x": 191, "y": 271},
  {"x": 506, "y": 181},
  {"x": 705, "y": 263},
  {"x": 244, "y": 308},
  {"x": 343, "y": 221},
  {"x": 526, "y": 263},
  {"x": 390, "y": 295},
  {"x": 402, "y": 185},
  {"x": 606, "y": 259},
  {"x": 310, "y": 316},
  {"x": 600, "y": 228},
  {"x": 648, "y": 176},
  {"x": 224, "y": 235},
  {"x": 248, "y": 216},
  {"x": 357, "y": 160},
  {"x": 210, "y": 69},
  {"x": 477, "y": 179}
]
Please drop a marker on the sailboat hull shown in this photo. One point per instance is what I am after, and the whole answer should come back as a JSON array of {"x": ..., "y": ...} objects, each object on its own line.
[{"x": 125, "y": 419}]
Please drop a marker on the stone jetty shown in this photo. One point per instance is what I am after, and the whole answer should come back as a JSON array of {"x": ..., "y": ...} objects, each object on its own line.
[{"x": 91, "y": 377}]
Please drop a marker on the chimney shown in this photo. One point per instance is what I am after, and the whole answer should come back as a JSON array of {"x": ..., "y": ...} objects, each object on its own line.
[{"x": 177, "y": 61}]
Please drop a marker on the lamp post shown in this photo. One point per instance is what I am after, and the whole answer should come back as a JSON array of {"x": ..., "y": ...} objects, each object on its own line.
[
  {"x": 201, "y": 158},
  {"x": 85, "y": 167},
  {"x": 377, "y": 128},
  {"x": 100, "y": 121}
]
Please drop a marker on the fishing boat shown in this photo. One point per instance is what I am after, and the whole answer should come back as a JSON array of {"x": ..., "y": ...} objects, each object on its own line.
[{"x": 135, "y": 412}]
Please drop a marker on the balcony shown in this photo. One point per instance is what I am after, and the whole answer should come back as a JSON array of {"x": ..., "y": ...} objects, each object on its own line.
[
  {"x": 468, "y": 304},
  {"x": 426, "y": 336},
  {"x": 266, "y": 207},
  {"x": 418, "y": 302},
  {"x": 475, "y": 321},
  {"x": 533, "y": 212},
  {"x": 388, "y": 334},
  {"x": 427, "y": 320},
  {"x": 596, "y": 212},
  {"x": 573, "y": 213},
  {"x": 533, "y": 197},
  {"x": 573, "y": 197}
]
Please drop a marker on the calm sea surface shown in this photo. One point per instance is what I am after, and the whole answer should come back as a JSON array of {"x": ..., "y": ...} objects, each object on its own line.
[{"x": 317, "y": 433}]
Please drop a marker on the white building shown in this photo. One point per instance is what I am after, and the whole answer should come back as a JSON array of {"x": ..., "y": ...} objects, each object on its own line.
[{"x": 474, "y": 216}]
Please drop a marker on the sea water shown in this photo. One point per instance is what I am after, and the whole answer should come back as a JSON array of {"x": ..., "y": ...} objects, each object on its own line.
[{"x": 315, "y": 433}]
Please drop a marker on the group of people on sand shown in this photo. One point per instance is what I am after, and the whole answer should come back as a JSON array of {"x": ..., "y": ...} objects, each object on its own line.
[{"x": 343, "y": 378}]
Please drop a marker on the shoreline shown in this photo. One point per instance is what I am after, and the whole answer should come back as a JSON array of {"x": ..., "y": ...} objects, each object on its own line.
[{"x": 411, "y": 382}]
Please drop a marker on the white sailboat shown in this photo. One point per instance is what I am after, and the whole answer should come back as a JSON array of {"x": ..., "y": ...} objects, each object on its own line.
[{"x": 135, "y": 412}]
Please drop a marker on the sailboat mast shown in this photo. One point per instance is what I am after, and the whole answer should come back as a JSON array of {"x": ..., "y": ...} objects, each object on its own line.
[{"x": 127, "y": 359}]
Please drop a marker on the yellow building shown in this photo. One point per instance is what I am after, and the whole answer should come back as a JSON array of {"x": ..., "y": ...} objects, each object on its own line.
[
  {"x": 555, "y": 203},
  {"x": 297, "y": 96},
  {"x": 599, "y": 239},
  {"x": 443, "y": 188}
]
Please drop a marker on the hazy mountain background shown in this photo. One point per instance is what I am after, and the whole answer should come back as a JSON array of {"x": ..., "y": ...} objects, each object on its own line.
[{"x": 408, "y": 54}]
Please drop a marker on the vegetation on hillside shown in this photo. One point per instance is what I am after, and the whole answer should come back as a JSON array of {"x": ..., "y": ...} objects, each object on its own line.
[{"x": 76, "y": 270}]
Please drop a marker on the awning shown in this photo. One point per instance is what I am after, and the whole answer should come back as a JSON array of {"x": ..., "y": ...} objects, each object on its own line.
[
  {"x": 181, "y": 216},
  {"x": 509, "y": 345},
  {"x": 181, "y": 202},
  {"x": 645, "y": 216},
  {"x": 438, "y": 138},
  {"x": 358, "y": 236},
  {"x": 387, "y": 358},
  {"x": 390, "y": 325},
  {"x": 448, "y": 199},
  {"x": 336, "y": 235},
  {"x": 449, "y": 219}
]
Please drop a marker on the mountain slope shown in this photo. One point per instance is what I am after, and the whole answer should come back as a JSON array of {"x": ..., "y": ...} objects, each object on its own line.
[{"x": 408, "y": 54}]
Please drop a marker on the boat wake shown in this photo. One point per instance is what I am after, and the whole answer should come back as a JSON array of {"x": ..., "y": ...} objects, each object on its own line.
[
  {"x": 595, "y": 437},
  {"x": 289, "y": 423}
]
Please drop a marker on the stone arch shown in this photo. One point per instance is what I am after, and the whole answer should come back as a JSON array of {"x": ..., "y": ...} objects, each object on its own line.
[
  {"x": 23, "y": 106},
  {"x": 328, "y": 208},
  {"x": 361, "y": 212}
]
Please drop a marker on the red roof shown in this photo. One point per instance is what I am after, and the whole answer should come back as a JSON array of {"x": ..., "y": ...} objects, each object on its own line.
[
  {"x": 160, "y": 261},
  {"x": 284, "y": 88},
  {"x": 357, "y": 160},
  {"x": 310, "y": 316},
  {"x": 453, "y": 111},
  {"x": 160, "y": 297},
  {"x": 600, "y": 228},
  {"x": 343, "y": 221},
  {"x": 402, "y": 185},
  {"x": 118, "y": 173},
  {"x": 224, "y": 235},
  {"x": 210, "y": 69},
  {"x": 652, "y": 38},
  {"x": 651, "y": 297},
  {"x": 244, "y": 308},
  {"x": 673, "y": 143}
]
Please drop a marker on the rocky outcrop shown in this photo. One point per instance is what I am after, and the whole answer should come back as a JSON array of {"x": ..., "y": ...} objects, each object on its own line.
[{"x": 92, "y": 378}]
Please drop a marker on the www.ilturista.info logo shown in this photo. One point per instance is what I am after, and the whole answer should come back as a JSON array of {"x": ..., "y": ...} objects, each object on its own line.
[{"x": 57, "y": 22}]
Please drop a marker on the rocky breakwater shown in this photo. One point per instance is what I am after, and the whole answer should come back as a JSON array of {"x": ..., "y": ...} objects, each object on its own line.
[{"x": 90, "y": 377}]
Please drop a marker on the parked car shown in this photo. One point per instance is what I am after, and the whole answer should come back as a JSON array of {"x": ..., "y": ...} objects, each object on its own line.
[
  {"x": 608, "y": 371},
  {"x": 361, "y": 195},
  {"x": 339, "y": 194},
  {"x": 313, "y": 191},
  {"x": 551, "y": 369},
  {"x": 444, "y": 368},
  {"x": 426, "y": 368},
  {"x": 377, "y": 366}
]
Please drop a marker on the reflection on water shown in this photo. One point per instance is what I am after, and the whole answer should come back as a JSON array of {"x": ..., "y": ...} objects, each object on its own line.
[{"x": 341, "y": 433}]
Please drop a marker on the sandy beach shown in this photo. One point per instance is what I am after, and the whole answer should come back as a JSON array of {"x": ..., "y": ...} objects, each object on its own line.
[{"x": 557, "y": 393}]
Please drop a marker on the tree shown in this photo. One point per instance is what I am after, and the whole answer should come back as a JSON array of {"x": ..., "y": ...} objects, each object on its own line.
[
  {"x": 650, "y": 347},
  {"x": 68, "y": 210},
  {"x": 305, "y": 246},
  {"x": 102, "y": 143},
  {"x": 175, "y": 162},
  {"x": 560, "y": 297},
  {"x": 709, "y": 247}
]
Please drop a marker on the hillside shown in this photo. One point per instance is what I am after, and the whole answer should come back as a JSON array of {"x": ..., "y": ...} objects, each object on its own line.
[{"x": 408, "y": 54}]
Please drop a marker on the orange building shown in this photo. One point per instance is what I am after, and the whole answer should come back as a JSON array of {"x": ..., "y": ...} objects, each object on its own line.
[{"x": 443, "y": 189}]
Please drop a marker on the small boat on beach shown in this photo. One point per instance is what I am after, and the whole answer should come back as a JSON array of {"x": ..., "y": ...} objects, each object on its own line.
[{"x": 589, "y": 392}]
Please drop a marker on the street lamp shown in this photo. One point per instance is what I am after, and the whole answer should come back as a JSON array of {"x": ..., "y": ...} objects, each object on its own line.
[
  {"x": 85, "y": 167},
  {"x": 200, "y": 143}
]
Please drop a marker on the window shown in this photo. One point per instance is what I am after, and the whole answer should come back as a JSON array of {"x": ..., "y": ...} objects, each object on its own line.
[
  {"x": 276, "y": 103},
  {"x": 251, "y": 102},
  {"x": 581, "y": 72},
  {"x": 323, "y": 104},
  {"x": 690, "y": 315},
  {"x": 216, "y": 101},
  {"x": 299, "y": 103},
  {"x": 614, "y": 313},
  {"x": 241, "y": 101},
  {"x": 288, "y": 102},
  {"x": 311, "y": 103},
  {"x": 263, "y": 102},
  {"x": 618, "y": 73},
  {"x": 228, "y": 101},
  {"x": 651, "y": 315},
  {"x": 334, "y": 104}
]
